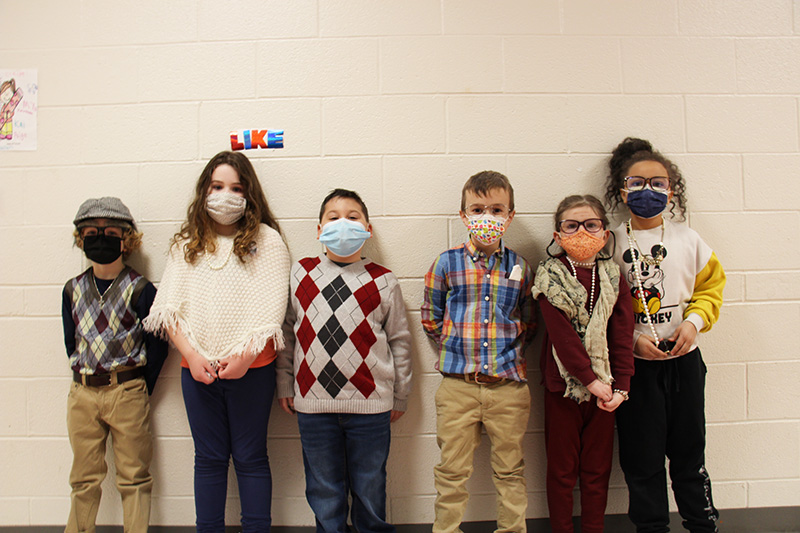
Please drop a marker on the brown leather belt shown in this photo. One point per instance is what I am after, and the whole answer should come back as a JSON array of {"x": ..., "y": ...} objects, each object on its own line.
[
  {"x": 103, "y": 380},
  {"x": 477, "y": 377}
]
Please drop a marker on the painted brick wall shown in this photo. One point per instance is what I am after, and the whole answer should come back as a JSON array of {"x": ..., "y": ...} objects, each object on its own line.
[{"x": 403, "y": 101}]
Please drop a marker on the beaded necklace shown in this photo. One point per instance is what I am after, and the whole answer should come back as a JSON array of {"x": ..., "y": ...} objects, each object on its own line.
[
  {"x": 648, "y": 259},
  {"x": 593, "y": 266},
  {"x": 225, "y": 262}
]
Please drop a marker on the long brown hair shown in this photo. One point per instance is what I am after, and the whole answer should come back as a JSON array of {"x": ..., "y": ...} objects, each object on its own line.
[{"x": 198, "y": 231}]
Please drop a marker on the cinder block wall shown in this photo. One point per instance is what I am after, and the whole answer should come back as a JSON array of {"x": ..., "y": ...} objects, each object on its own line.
[{"x": 403, "y": 101}]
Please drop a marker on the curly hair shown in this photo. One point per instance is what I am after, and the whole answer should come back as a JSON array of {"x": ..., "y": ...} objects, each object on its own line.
[
  {"x": 131, "y": 239},
  {"x": 632, "y": 151},
  {"x": 198, "y": 231}
]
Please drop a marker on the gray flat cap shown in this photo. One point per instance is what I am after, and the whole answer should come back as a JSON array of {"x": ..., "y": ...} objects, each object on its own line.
[{"x": 105, "y": 207}]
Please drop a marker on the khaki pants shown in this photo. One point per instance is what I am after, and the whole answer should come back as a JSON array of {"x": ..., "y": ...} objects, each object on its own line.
[
  {"x": 461, "y": 408},
  {"x": 124, "y": 411}
]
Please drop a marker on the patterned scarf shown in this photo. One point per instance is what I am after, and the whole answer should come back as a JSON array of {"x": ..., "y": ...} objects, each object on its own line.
[{"x": 565, "y": 293}]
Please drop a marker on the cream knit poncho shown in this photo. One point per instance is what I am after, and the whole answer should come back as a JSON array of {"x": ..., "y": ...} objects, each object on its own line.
[{"x": 222, "y": 306}]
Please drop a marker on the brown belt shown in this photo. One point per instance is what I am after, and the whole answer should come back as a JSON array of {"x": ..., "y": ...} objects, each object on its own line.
[
  {"x": 103, "y": 380},
  {"x": 477, "y": 377}
]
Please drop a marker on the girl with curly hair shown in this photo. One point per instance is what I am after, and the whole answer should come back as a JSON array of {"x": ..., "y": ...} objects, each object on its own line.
[
  {"x": 676, "y": 285},
  {"x": 221, "y": 302}
]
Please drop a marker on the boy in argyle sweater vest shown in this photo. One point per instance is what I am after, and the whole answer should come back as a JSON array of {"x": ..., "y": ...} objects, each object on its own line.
[
  {"x": 345, "y": 369},
  {"x": 114, "y": 365}
]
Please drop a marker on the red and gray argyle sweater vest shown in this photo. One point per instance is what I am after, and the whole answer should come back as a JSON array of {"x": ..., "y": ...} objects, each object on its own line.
[
  {"x": 107, "y": 332},
  {"x": 342, "y": 361}
]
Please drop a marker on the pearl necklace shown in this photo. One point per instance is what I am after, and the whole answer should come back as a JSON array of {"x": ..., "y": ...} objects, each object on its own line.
[
  {"x": 225, "y": 262},
  {"x": 637, "y": 276},
  {"x": 593, "y": 265},
  {"x": 647, "y": 258}
]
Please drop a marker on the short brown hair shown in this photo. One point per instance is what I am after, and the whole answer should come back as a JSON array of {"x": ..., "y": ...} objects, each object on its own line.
[
  {"x": 483, "y": 182},
  {"x": 343, "y": 193}
]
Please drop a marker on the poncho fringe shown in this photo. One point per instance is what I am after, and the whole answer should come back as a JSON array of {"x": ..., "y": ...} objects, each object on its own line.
[{"x": 227, "y": 311}]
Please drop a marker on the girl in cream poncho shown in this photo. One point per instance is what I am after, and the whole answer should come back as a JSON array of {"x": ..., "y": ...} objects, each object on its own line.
[{"x": 221, "y": 302}]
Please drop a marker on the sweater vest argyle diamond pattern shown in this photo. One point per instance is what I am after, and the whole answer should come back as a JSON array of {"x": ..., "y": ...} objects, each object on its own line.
[
  {"x": 107, "y": 332},
  {"x": 336, "y": 333}
]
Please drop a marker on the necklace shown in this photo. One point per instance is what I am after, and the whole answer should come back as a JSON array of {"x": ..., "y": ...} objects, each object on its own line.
[
  {"x": 638, "y": 277},
  {"x": 225, "y": 262},
  {"x": 103, "y": 295},
  {"x": 593, "y": 265},
  {"x": 655, "y": 258}
]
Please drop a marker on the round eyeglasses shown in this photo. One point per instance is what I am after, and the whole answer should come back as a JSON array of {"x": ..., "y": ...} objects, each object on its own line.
[
  {"x": 498, "y": 210},
  {"x": 592, "y": 225},
  {"x": 637, "y": 183},
  {"x": 108, "y": 231}
]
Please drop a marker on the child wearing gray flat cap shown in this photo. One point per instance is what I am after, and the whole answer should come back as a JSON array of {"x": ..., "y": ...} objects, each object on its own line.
[{"x": 114, "y": 365}]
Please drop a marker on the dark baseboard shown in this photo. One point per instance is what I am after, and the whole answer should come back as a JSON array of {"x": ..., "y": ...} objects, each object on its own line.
[{"x": 756, "y": 520}]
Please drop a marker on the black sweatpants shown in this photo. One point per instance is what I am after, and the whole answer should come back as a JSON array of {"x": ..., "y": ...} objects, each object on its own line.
[{"x": 665, "y": 416}]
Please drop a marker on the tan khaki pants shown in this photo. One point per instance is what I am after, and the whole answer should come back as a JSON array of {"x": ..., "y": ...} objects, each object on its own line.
[
  {"x": 461, "y": 408},
  {"x": 93, "y": 412}
]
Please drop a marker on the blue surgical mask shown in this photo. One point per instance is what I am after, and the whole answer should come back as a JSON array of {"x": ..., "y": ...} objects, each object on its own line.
[
  {"x": 647, "y": 203},
  {"x": 343, "y": 237}
]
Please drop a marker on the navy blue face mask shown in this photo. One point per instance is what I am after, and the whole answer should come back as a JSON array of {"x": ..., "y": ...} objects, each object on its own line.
[{"x": 647, "y": 203}]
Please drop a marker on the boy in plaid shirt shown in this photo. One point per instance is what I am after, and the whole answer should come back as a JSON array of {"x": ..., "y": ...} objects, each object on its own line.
[{"x": 479, "y": 310}]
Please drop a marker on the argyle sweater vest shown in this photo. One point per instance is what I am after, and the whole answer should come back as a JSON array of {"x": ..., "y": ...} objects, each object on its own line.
[
  {"x": 351, "y": 350},
  {"x": 108, "y": 333}
]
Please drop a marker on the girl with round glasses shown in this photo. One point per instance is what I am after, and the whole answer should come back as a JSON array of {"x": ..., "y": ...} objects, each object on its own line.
[
  {"x": 676, "y": 289},
  {"x": 586, "y": 362}
]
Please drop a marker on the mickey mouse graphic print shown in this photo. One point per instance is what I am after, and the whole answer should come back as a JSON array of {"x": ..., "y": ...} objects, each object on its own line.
[{"x": 686, "y": 284}]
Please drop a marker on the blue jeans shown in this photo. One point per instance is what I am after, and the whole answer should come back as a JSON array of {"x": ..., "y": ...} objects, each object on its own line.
[
  {"x": 230, "y": 418},
  {"x": 346, "y": 454}
]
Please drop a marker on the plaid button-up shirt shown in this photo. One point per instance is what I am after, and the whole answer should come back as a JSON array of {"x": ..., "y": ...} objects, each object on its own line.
[{"x": 480, "y": 312}]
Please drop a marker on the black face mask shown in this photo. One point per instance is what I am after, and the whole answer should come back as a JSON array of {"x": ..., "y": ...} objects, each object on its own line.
[{"x": 102, "y": 249}]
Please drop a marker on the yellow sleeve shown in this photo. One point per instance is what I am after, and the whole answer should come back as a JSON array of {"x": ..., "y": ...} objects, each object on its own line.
[{"x": 707, "y": 295}]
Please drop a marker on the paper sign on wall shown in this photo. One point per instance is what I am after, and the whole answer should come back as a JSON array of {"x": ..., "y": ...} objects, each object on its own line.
[{"x": 19, "y": 90}]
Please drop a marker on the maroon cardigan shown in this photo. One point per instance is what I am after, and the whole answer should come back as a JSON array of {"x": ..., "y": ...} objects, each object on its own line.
[{"x": 560, "y": 334}]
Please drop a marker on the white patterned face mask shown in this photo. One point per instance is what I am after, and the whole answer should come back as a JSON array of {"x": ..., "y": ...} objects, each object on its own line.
[
  {"x": 225, "y": 208},
  {"x": 486, "y": 229}
]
